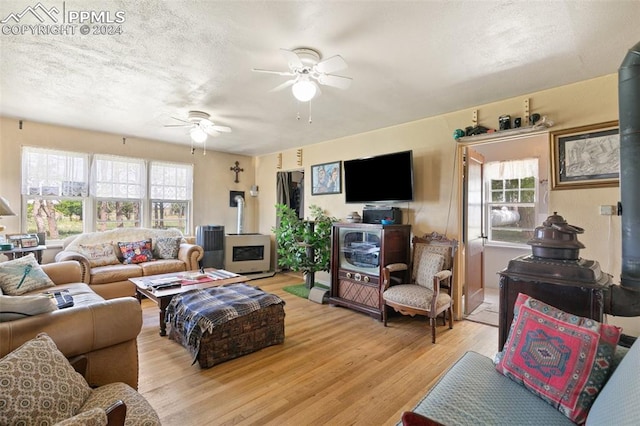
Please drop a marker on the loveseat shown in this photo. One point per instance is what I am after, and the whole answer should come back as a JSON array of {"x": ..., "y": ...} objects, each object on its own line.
[
  {"x": 583, "y": 375},
  {"x": 106, "y": 267},
  {"x": 104, "y": 331}
]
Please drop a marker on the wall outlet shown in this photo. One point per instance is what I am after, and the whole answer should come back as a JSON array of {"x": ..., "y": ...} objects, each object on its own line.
[{"x": 608, "y": 210}]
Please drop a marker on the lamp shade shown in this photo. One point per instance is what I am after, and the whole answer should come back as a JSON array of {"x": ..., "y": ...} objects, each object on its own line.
[
  {"x": 304, "y": 90},
  {"x": 197, "y": 134},
  {"x": 5, "y": 209}
]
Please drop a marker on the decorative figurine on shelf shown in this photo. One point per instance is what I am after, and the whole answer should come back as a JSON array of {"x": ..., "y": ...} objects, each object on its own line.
[
  {"x": 534, "y": 119},
  {"x": 504, "y": 122},
  {"x": 517, "y": 122}
]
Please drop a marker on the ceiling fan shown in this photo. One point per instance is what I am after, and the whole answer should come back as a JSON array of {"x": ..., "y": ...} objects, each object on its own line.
[
  {"x": 308, "y": 71},
  {"x": 200, "y": 126}
]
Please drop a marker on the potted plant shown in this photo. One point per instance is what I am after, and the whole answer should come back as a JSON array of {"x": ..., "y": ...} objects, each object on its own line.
[{"x": 304, "y": 245}]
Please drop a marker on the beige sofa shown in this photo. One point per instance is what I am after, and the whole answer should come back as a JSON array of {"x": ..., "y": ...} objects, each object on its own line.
[
  {"x": 104, "y": 331},
  {"x": 112, "y": 280}
]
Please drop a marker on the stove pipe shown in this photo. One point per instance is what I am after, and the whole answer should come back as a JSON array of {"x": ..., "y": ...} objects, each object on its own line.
[
  {"x": 240, "y": 202},
  {"x": 629, "y": 110},
  {"x": 624, "y": 299}
]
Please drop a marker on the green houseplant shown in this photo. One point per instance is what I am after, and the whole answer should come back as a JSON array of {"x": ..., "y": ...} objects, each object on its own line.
[{"x": 303, "y": 245}]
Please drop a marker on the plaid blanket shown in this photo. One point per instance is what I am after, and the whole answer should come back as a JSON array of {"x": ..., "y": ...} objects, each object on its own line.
[{"x": 196, "y": 312}]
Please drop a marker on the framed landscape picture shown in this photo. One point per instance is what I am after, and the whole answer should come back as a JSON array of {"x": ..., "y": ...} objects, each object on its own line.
[
  {"x": 326, "y": 178},
  {"x": 585, "y": 157}
]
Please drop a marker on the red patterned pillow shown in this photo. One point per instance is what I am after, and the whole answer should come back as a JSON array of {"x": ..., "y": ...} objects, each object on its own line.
[
  {"x": 563, "y": 358},
  {"x": 136, "y": 252}
]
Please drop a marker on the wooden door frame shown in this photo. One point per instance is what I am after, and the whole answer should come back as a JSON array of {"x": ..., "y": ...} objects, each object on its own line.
[{"x": 459, "y": 163}]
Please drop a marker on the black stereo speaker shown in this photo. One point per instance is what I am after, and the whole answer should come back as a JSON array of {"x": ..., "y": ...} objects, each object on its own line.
[{"x": 373, "y": 214}]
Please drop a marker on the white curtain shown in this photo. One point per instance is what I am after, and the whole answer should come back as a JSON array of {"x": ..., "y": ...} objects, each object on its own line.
[
  {"x": 118, "y": 177},
  {"x": 47, "y": 172},
  {"x": 512, "y": 169},
  {"x": 170, "y": 181}
]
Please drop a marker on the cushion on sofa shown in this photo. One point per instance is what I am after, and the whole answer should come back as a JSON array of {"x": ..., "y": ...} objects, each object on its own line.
[
  {"x": 39, "y": 386},
  {"x": 167, "y": 247},
  {"x": 136, "y": 251},
  {"x": 23, "y": 275},
  {"x": 16, "y": 307},
  {"x": 563, "y": 358},
  {"x": 619, "y": 401},
  {"x": 114, "y": 273},
  {"x": 120, "y": 234},
  {"x": 472, "y": 392},
  {"x": 100, "y": 254},
  {"x": 162, "y": 266}
]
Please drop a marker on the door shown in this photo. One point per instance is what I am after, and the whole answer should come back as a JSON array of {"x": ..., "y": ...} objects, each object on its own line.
[{"x": 473, "y": 231}]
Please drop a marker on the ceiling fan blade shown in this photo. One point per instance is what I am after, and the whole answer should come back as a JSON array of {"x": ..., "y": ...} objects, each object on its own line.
[
  {"x": 286, "y": 73},
  {"x": 178, "y": 125},
  {"x": 212, "y": 129},
  {"x": 223, "y": 129},
  {"x": 332, "y": 64},
  {"x": 293, "y": 60},
  {"x": 181, "y": 119},
  {"x": 335, "y": 81},
  {"x": 283, "y": 85}
]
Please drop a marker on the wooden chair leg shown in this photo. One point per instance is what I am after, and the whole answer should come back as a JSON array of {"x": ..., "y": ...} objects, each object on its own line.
[
  {"x": 384, "y": 314},
  {"x": 450, "y": 317},
  {"x": 432, "y": 321}
]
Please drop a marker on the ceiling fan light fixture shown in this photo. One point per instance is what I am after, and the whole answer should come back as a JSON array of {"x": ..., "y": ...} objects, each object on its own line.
[
  {"x": 198, "y": 134},
  {"x": 304, "y": 90}
]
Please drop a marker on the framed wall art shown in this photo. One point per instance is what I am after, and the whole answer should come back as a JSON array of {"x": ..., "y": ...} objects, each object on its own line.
[
  {"x": 585, "y": 157},
  {"x": 326, "y": 178}
]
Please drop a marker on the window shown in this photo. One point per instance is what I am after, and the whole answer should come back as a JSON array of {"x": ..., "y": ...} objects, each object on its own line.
[
  {"x": 118, "y": 185},
  {"x": 511, "y": 200},
  {"x": 54, "y": 190},
  {"x": 62, "y": 189},
  {"x": 170, "y": 192}
]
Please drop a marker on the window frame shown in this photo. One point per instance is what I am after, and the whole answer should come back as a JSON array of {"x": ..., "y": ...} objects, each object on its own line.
[
  {"x": 490, "y": 204},
  {"x": 91, "y": 201}
]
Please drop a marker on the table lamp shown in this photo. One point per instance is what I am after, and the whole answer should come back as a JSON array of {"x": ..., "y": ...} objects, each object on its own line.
[{"x": 5, "y": 210}]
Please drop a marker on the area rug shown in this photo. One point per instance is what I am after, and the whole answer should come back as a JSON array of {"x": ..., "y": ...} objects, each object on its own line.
[
  {"x": 486, "y": 313},
  {"x": 301, "y": 290}
]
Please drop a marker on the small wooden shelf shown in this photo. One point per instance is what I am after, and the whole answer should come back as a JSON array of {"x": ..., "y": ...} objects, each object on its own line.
[{"x": 507, "y": 134}]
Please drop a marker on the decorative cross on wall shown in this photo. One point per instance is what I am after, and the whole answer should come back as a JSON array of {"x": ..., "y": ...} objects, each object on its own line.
[{"x": 237, "y": 170}]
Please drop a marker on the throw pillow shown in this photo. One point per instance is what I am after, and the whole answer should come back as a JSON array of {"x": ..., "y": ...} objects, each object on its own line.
[
  {"x": 39, "y": 386},
  {"x": 136, "y": 252},
  {"x": 22, "y": 275},
  {"x": 16, "y": 307},
  {"x": 99, "y": 254},
  {"x": 562, "y": 358},
  {"x": 167, "y": 247}
]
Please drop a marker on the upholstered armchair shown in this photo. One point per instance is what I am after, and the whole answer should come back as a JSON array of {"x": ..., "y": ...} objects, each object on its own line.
[
  {"x": 427, "y": 290},
  {"x": 40, "y": 386}
]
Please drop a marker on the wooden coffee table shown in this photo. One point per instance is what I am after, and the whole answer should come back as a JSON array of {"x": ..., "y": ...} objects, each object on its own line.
[{"x": 162, "y": 297}]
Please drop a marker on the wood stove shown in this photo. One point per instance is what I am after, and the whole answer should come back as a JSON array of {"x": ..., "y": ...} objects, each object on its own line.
[{"x": 555, "y": 275}]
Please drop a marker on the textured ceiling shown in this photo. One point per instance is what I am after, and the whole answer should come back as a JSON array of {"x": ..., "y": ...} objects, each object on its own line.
[{"x": 408, "y": 60}]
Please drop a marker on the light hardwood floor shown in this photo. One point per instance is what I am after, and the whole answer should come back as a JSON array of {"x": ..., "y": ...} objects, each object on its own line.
[{"x": 336, "y": 367}]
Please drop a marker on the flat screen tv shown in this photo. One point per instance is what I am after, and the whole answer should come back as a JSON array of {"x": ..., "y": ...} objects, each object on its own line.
[{"x": 386, "y": 178}]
